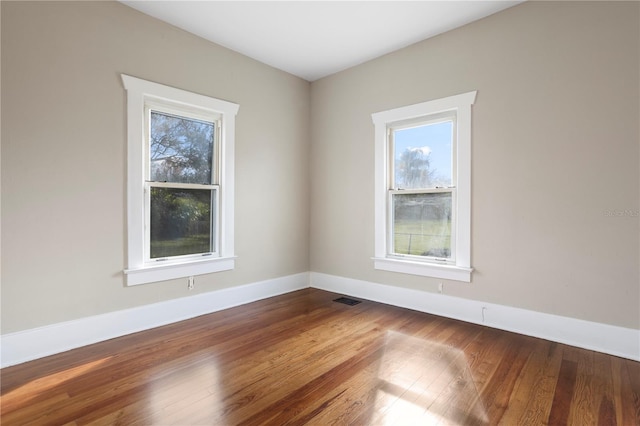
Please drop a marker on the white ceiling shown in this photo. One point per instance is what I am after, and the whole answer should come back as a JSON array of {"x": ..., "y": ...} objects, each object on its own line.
[{"x": 313, "y": 39}]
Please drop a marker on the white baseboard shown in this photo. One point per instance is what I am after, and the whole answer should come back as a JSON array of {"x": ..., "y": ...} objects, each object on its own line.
[
  {"x": 613, "y": 340},
  {"x": 39, "y": 342}
]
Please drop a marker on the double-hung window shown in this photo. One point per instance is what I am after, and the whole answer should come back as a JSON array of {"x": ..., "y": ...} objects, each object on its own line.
[
  {"x": 180, "y": 182},
  {"x": 422, "y": 194}
]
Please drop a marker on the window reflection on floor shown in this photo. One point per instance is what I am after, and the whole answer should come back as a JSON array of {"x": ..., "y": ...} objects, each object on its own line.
[{"x": 420, "y": 382}]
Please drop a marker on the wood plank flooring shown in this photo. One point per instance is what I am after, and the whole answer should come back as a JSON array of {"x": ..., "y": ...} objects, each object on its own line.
[{"x": 302, "y": 359}]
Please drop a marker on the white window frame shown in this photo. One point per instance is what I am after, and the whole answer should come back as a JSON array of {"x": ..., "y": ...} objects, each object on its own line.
[
  {"x": 459, "y": 269},
  {"x": 141, "y": 94}
]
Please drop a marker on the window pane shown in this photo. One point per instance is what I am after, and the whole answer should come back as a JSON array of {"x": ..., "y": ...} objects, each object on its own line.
[
  {"x": 181, "y": 149},
  {"x": 422, "y": 224},
  {"x": 423, "y": 156},
  {"x": 180, "y": 221}
]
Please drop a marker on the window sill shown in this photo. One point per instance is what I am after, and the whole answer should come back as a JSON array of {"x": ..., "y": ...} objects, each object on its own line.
[
  {"x": 168, "y": 271},
  {"x": 449, "y": 272}
]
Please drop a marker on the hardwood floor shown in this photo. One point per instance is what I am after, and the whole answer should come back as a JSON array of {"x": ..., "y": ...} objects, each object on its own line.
[{"x": 301, "y": 358}]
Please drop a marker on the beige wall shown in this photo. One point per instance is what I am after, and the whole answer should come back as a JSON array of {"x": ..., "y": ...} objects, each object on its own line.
[
  {"x": 555, "y": 147},
  {"x": 64, "y": 157}
]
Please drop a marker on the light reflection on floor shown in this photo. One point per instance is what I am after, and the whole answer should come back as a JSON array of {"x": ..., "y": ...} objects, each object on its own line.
[
  {"x": 186, "y": 391},
  {"x": 30, "y": 390},
  {"x": 426, "y": 383},
  {"x": 415, "y": 382}
]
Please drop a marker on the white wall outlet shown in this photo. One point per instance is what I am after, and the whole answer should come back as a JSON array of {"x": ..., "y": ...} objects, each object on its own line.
[
  {"x": 191, "y": 283},
  {"x": 440, "y": 288}
]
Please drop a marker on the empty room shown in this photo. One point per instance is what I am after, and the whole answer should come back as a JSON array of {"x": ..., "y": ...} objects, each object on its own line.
[{"x": 323, "y": 212}]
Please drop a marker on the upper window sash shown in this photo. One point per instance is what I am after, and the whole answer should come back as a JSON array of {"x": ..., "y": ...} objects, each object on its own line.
[
  {"x": 392, "y": 128},
  {"x": 191, "y": 113}
]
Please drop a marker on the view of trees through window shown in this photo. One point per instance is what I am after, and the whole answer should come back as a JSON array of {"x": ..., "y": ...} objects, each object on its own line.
[
  {"x": 423, "y": 161},
  {"x": 181, "y": 149},
  {"x": 181, "y": 152}
]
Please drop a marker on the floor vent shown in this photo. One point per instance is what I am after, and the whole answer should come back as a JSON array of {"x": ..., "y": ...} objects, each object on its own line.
[{"x": 347, "y": 301}]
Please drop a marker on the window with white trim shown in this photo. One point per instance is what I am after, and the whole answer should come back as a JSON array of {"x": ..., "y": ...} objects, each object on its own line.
[
  {"x": 423, "y": 188},
  {"x": 180, "y": 182}
]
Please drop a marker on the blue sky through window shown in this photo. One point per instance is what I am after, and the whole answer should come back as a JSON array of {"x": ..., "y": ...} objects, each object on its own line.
[{"x": 433, "y": 140}]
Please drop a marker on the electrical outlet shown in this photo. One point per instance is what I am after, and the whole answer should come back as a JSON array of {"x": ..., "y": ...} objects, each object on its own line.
[
  {"x": 440, "y": 288},
  {"x": 191, "y": 283}
]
